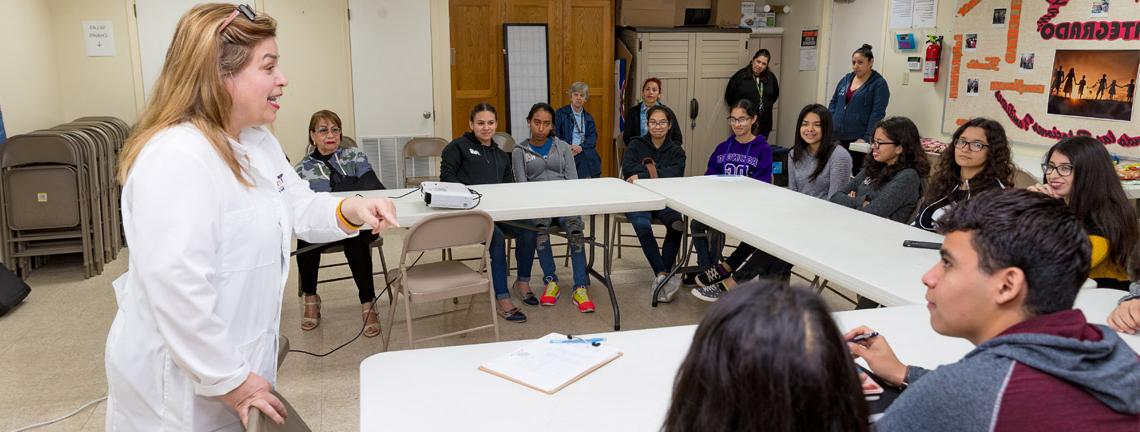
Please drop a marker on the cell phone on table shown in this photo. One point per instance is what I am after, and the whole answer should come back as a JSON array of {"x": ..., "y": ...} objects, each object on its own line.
[
  {"x": 870, "y": 387},
  {"x": 921, "y": 244}
]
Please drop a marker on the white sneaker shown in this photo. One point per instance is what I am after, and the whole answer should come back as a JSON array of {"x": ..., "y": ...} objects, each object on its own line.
[
  {"x": 657, "y": 281},
  {"x": 670, "y": 289}
]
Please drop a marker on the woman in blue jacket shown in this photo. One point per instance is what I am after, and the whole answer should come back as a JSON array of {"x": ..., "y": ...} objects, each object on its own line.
[
  {"x": 859, "y": 102},
  {"x": 576, "y": 126}
]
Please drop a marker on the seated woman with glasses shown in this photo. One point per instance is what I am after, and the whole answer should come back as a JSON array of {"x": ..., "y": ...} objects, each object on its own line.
[
  {"x": 327, "y": 166},
  {"x": 1079, "y": 170},
  {"x": 745, "y": 153},
  {"x": 889, "y": 185},
  {"x": 543, "y": 157},
  {"x": 656, "y": 155},
  {"x": 978, "y": 161},
  {"x": 767, "y": 357}
]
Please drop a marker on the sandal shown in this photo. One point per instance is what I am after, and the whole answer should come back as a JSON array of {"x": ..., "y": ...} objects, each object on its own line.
[
  {"x": 528, "y": 296},
  {"x": 371, "y": 320},
  {"x": 311, "y": 322},
  {"x": 514, "y": 315}
]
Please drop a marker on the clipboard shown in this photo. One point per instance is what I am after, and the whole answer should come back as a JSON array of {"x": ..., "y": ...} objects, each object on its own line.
[{"x": 549, "y": 367}]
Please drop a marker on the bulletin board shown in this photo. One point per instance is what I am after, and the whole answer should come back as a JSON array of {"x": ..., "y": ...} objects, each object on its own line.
[{"x": 1022, "y": 62}]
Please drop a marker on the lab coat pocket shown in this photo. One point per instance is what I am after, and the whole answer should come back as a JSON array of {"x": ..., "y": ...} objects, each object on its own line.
[{"x": 250, "y": 239}]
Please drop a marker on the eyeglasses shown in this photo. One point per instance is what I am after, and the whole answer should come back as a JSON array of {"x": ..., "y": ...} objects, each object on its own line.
[
  {"x": 327, "y": 131},
  {"x": 243, "y": 9},
  {"x": 738, "y": 120},
  {"x": 1064, "y": 170},
  {"x": 877, "y": 143},
  {"x": 657, "y": 123},
  {"x": 971, "y": 145}
]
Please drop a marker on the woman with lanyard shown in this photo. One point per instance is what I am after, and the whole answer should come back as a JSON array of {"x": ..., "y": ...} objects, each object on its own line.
[
  {"x": 210, "y": 206},
  {"x": 576, "y": 126},
  {"x": 859, "y": 103},
  {"x": 758, "y": 85},
  {"x": 978, "y": 161},
  {"x": 542, "y": 157},
  {"x": 637, "y": 116}
]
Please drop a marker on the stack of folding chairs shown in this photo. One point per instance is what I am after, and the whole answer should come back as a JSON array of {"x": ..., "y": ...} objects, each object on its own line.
[{"x": 60, "y": 196}]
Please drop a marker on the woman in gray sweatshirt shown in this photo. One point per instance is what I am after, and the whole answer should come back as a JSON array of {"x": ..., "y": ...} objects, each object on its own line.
[
  {"x": 543, "y": 157},
  {"x": 818, "y": 167},
  {"x": 890, "y": 185}
]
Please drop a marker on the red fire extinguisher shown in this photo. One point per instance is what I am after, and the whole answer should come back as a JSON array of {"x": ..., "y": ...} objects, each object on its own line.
[{"x": 933, "y": 57}]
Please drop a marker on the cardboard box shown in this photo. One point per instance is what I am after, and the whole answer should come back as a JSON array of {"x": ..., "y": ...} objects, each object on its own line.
[
  {"x": 719, "y": 13},
  {"x": 646, "y": 13}
]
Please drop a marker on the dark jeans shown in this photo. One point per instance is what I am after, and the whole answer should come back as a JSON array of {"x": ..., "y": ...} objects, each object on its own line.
[
  {"x": 660, "y": 260},
  {"x": 762, "y": 265},
  {"x": 524, "y": 254},
  {"x": 576, "y": 248},
  {"x": 359, "y": 255},
  {"x": 856, "y": 156}
]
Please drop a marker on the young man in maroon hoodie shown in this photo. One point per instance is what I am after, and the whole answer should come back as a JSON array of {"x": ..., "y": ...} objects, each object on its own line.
[{"x": 1012, "y": 264}]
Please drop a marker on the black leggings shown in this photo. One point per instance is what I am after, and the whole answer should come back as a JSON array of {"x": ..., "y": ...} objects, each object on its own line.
[{"x": 357, "y": 250}]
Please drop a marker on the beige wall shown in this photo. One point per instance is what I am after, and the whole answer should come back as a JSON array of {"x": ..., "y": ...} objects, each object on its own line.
[
  {"x": 798, "y": 88},
  {"x": 313, "y": 40},
  {"x": 921, "y": 101},
  {"x": 29, "y": 94},
  {"x": 93, "y": 86}
]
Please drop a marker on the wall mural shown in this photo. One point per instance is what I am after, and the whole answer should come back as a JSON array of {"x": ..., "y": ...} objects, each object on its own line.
[{"x": 1071, "y": 70}]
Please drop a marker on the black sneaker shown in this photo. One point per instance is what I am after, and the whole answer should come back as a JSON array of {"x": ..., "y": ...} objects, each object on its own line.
[
  {"x": 513, "y": 315},
  {"x": 710, "y": 293},
  {"x": 713, "y": 275},
  {"x": 689, "y": 279}
]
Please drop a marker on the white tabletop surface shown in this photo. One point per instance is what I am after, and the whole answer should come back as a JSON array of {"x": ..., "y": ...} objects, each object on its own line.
[
  {"x": 514, "y": 201},
  {"x": 852, "y": 249},
  {"x": 442, "y": 388}
]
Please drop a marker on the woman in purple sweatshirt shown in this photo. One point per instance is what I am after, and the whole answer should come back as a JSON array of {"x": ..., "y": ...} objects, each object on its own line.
[{"x": 745, "y": 153}]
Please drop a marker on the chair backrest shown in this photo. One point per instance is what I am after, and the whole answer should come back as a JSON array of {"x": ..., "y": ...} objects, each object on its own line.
[
  {"x": 424, "y": 147},
  {"x": 1023, "y": 179},
  {"x": 259, "y": 422},
  {"x": 451, "y": 229},
  {"x": 504, "y": 140}
]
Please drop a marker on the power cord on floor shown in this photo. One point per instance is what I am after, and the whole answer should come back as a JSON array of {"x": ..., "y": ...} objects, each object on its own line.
[
  {"x": 364, "y": 323},
  {"x": 65, "y": 417}
]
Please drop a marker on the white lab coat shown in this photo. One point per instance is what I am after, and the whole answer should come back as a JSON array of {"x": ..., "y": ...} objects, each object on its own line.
[{"x": 200, "y": 304}]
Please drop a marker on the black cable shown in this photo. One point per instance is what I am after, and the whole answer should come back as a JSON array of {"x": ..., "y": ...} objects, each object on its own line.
[
  {"x": 418, "y": 188},
  {"x": 364, "y": 323}
]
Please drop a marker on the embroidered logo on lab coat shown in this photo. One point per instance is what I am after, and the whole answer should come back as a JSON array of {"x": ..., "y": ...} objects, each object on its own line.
[
  {"x": 473, "y": 152},
  {"x": 280, "y": 183}
]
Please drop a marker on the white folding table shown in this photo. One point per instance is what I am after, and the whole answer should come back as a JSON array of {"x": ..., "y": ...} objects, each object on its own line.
[
  {"x": 856, "y": 250},
  {"x": 442, "y": 388},
  {"x": 530, "y": 200}
]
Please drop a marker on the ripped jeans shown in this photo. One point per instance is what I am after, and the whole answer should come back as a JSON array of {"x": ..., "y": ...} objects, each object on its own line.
[{"x": 574, "y": 228}]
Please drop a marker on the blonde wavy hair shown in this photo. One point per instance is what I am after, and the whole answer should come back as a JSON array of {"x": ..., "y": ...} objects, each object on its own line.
[{"x": 191, "y": 86}]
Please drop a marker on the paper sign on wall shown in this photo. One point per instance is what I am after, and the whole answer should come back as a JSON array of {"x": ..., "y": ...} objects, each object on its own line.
[
  {"x": 100, "y": 38},
  {"x": 913, "y": 13},
  {"x": 809, "y": 56}
]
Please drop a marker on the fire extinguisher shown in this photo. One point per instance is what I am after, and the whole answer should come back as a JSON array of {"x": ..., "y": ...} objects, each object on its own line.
[{"x": 933, "y": 56}]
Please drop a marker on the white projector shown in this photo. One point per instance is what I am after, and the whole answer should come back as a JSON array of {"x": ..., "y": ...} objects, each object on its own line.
[{"x": 448, "y": 195}]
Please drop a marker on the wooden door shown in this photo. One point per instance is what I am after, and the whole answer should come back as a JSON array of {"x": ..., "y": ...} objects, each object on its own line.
[
  {"x": 587, "y": 56},
  {"x": 667, "y": 57},
  {"x": 718, "y": 57},
  {"x": 476, "y": 58}
]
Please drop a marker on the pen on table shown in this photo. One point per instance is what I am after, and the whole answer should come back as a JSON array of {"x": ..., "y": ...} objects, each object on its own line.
[
  {"x": 863, "y": 337},
  {"x": 578, "y": 340}
]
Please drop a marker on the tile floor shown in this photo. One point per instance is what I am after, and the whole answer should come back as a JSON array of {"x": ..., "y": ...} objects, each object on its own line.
[{"x": 51, "y": 346}]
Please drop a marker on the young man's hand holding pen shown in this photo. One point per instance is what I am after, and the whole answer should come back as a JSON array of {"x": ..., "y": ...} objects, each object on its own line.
[{"x": 873, "y": 348}]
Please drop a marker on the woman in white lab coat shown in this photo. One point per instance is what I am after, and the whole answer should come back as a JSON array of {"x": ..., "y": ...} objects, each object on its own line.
[{"x": 209, "y": 208}]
